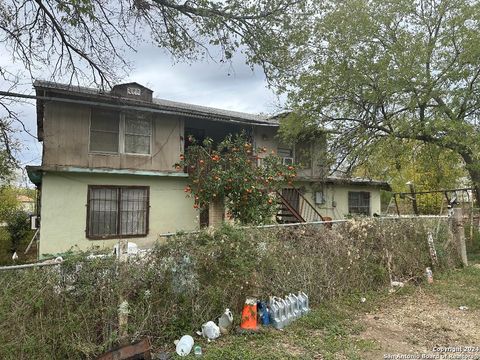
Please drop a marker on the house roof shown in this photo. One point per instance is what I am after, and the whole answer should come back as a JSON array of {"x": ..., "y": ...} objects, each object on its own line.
[
  {"x": 358, "y": 181},
  {"x": 336, "y": 180},
  {"x": 51, "y": 91},
  {"x": 24, "y": 198}
]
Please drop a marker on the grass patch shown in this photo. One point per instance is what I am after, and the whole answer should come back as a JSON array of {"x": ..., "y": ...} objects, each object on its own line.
[
  {"x": 330, "y": 330},
  {"x": 459, "y": 287},
  {"x": 327, "y": 332}
]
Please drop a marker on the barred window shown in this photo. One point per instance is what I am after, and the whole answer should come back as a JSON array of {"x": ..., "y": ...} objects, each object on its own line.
[
  {"x": 104, "y": 129},
  {"x": 359, "y": 202},
  {"x": 114, "y": 211}
]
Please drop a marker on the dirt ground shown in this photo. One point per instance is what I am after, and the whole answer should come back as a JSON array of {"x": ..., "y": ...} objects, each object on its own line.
[{"x": 417, "y": 324}]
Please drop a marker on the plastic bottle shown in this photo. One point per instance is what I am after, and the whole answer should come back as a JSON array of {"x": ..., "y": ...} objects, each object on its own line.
[
  {"x": 184, "y": 346},
  {"x": 263, "y": 313},
  {"x": 282, "y": 314},
  {"x": 429, "y": 275},
  {"x": 197, "y": 350},
  {"x": 296, "y": 306},
  {"x": 225, "y": 321},
  {"x": 275, "y": 314}
]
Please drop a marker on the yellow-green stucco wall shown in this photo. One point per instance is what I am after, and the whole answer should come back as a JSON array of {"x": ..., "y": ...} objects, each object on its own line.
[
  {"x": 64, "y": 210},
  {"x": 336, "y": 198}
]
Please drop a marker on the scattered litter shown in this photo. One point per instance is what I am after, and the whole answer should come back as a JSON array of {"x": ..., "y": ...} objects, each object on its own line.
[
  {"x": 284, "y": 311},
  {"x": 184, "y": 345},
  {"x": 249, "y": 315},
  {"x": 225, "y": 321},
  {"x": 362, "y": 300},
  {"x": 132, "y": 249},
  {"x": 397, "y": 284},
  {"x": 197, "y": 350},
  {"x": 210, "y": 330},
  {"x": 263, "y": 313},
  {"x": 429, "y": 275},
  {"x": 463, "y": 308}
]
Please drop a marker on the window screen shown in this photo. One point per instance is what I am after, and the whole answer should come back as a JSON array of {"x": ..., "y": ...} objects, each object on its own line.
[
  {"x": 359, "y": 202},
  {"x": 138, "y": 132},
  {"x": 104, "y": 125},
  {"x": 117, "y": 211}
]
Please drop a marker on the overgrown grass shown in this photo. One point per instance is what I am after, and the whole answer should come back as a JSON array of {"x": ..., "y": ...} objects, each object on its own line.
[
  {"x": 6, "y": 248},
  {"x": 70, "y": 312},
  {"x": 459, "y": 287},
  {"x": 329, "y": 331}
]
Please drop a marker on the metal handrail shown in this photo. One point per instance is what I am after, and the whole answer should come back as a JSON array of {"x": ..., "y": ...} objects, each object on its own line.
[{"x": 290, "y": 207}]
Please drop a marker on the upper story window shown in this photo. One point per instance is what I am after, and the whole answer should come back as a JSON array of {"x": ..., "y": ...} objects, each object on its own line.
[
  {"x": 104, "y": 131},
  {"x": 286, "y": 154},
  {"x": 138, "y": 134},
  {"x": 359, "y": 202},
  {"x": 115, "y": 132}
]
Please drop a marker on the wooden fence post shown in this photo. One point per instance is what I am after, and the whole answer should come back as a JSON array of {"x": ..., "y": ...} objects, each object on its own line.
[
  {"x": 459, "y": 234},
  {"x": 122, "y": 302}
]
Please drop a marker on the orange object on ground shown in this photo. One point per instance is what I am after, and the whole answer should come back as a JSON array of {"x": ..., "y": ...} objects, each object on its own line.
[{"x": 249, "y": 315}]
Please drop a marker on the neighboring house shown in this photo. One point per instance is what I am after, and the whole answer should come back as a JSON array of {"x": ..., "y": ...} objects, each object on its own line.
[
  {"x": 27, "y": 204},
  {"x": 107, "y": 167}
]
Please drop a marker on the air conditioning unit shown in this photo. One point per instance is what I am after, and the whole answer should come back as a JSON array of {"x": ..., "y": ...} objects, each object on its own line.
[
  {"x": 34, "y": 222},
  {"x": 287, "y": 161}
]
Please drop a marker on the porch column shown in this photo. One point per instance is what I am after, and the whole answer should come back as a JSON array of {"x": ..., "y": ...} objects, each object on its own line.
[{"x": 216, "y": 213}]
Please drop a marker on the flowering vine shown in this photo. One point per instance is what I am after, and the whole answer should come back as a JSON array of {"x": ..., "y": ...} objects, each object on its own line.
[{"x": 246, "y": 179}]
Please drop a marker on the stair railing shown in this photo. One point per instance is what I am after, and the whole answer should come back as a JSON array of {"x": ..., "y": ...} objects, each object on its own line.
[{"x": 290, "y": 208}]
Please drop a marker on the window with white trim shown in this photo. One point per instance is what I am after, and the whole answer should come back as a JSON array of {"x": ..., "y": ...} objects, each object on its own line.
[
  {"x": 138, "y": 134},
  {"x": 115, "y": 132}
]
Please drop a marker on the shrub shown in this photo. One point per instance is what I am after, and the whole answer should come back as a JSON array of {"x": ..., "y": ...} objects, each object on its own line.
[{"x": 17, "y": 227}]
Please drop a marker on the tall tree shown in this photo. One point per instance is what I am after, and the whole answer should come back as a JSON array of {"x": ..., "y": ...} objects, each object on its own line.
[
  {"x": 84, "y": 41},
  {"x": 372, "y": 69}
]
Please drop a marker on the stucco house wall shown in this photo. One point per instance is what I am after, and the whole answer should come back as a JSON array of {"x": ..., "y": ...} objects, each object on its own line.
[
  {"x": 64, "y": 209},
  {"x": 336, "y": 198}
]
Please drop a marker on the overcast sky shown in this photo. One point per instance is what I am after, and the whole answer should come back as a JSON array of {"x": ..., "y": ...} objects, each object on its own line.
[{"x": 229, "y": 86}]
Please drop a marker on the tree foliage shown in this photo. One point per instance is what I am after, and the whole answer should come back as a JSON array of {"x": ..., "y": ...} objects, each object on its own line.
[
  {"x": 17, "y": 227},
  {"x": 85, "y": 41},
  {"x": 380, "y": 69},
  {"x": 229, "y": 172},
  {"x": 8, "y": 202}
]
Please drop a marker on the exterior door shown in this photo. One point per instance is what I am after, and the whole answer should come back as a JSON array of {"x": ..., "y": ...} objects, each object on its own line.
[{"x": 291, "y": 195}]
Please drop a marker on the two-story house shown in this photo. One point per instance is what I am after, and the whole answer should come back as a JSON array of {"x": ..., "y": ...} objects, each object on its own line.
[{"x": 107, "y": 167}]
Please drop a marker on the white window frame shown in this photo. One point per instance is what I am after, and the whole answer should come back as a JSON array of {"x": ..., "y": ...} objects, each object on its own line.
[{"x": 121, "y": 138}]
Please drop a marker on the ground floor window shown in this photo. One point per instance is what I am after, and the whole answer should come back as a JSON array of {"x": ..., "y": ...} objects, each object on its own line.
[
  {"x": 359, "y": 202},
  {"x": 114, "y": 211}
]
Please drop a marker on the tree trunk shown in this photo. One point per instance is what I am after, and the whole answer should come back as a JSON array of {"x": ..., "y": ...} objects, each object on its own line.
[{"x": 473, "y": 168}]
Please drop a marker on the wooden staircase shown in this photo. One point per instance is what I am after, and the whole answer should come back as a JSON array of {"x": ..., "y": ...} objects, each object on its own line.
[{"x": 293, "y": 207}]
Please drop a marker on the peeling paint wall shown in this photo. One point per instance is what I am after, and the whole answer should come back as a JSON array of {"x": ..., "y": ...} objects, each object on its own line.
[{"x": 67, "y": 135}]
